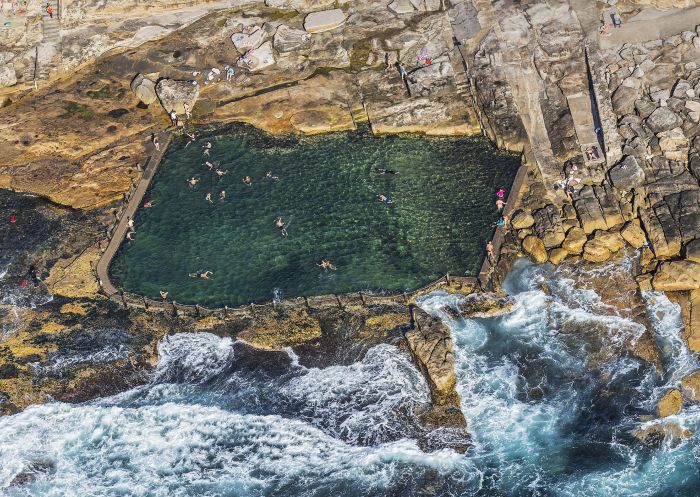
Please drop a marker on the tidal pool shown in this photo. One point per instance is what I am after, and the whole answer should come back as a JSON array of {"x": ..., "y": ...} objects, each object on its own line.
[{"x": 443, "y": 213}]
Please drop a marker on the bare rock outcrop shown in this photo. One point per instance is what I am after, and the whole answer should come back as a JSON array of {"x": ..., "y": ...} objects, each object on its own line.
[
  {"x": 691, "y": 386},
  {"x": 671, "y": 403},
  {"x": 174, "y": 94},
  {"x": 482, "y": 305},
  {"x": 144, "y": 89},
  {"x": 677, "y": 276}
]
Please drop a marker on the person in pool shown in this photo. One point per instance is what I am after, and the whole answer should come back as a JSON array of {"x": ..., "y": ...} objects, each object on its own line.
[
  {"x": 202, "y": 274},
  {"x": 280, "y": 224},
  {"x": 325, "y": 264},
  {"x": 248, "y": 180},
  {"x": 501, "y": 193},
  {"x": 193, "y": 182},
  {"x": 386, "y": 171},
  {"x": 385, "y": 199},
  {"x": 269, "y": 175}
]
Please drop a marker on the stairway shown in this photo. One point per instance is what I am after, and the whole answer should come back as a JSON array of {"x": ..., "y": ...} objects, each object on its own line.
[{"x": 50, "y": 46}]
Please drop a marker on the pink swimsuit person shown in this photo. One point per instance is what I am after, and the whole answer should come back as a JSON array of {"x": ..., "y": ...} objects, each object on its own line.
[{"x": 500, "y": 193}]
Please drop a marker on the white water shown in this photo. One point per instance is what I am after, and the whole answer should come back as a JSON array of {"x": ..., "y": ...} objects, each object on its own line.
[{"x": 548, "y": 415}]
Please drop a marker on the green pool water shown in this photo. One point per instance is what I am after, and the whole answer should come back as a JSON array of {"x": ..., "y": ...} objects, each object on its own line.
[{"x": 443, "y": 213}]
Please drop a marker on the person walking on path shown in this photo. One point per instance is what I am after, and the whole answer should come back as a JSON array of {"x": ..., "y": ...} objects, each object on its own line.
[{"x": 49, "y": 10}]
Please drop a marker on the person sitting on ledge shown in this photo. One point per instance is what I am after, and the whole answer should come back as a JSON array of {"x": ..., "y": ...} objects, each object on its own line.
[
  {"x": 325, "y": 264},
  {"x": 202, "y": 274},
  {"x": 248, "y": 180},
  {"x": 164, "y": 295}
]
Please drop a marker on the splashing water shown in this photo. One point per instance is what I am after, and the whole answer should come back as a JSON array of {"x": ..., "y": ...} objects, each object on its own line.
[{"x": 549, "y": 414}]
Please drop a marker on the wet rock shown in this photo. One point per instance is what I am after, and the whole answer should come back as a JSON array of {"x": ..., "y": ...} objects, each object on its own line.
[
  {"x": 144, "y": 88},
  {"x": 663, "y": 119},
  {"x": 557, "y": 255},
  {"x": 485, "y": 305},
  {"x": 325, "y": 20},
  {"x": 596, "y": 250},
  {"x": 589, "y": 211},
  {"x": 691, "y": 386},
  {"x": 671, "y": 403},
  {"x": 627, "y": 175},
  {"x": 174, "y": 94},
  {"x": 289, "y": 39},
  {"x": 535, "y": 248},
  {"x": 662, "y": 230},
  {"x": 430, "y": 345},
  {"x": 548, "y": 226},
  {"x": 633, "y": 234},
  {"x": 522, "y": 220},
  {"x": 660, "y": 434},
  {"x": 575, "y": 240},
  {"x": 677, "y": 276},
  {"x": 8, "y": 76}
]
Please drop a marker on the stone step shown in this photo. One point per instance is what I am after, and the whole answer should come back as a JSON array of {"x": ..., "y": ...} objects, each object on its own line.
[{"x": 359, "y": 115}]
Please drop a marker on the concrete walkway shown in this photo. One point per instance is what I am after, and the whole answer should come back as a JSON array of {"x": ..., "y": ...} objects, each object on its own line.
[
  {"x": 119, "y": 233},
  {"x": 656, "y": 25}
]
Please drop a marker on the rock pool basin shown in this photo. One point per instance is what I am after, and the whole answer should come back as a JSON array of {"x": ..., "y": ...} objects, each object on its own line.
[{"x": 325, "y": 189}]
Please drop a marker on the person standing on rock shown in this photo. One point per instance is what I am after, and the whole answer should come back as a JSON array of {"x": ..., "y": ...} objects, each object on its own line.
[
  {"x": 156, "y": 142},
  {"x": 173, "y": 118},
  {"x": 163, "y": 295},
  {"x": 188, "y": 114},
  {"x": 489, "y": 252},
  {"x": 49, "y": 10}
]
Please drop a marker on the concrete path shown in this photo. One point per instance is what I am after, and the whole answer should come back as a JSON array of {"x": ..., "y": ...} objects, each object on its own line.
[
  {"x": 656, "y": 25},
  {"x": 119, "y": 233}
]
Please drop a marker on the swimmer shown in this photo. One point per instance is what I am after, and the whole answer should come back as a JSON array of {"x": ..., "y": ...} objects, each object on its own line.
[
  {"x": 220, "y": 172},
  {"x": 130, "y": 236},
  {"x": 207, "y": 148},
  {"x": 385, "y": 199},
  {"x": 148, "y": 204},
  {"x": 202, "y": 274},
  {"x": 500, "y": 204},
  {"x": 325, "y": 264},
  {"x": 269, "y": 175},
  {"x": 192, "y": 182},
  {"x": 222, "y": 195},
  {"x": 163, "y": 295},
  {"x": 501, "y": 193},
  {"x": 192, "y": 137},
  {"x": 209, "y": 165},
  {"x": 280, "y": 224},
  {"x": 386, "y": 171},
  {"x": 208, "y": 198},
  {"x": 248, "y": 180}
]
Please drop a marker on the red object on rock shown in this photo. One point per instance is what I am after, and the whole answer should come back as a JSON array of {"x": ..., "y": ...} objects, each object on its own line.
[
  {"x": 24, "y": 283},
  {"x": 428, "y": 62},
  {"x": 13, "y": 218}
]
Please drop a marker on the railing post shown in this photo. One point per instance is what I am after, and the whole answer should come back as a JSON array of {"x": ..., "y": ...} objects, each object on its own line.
[
  {"x": 252, "y": 309},
  {"x": 362, "y": 298},
  {"x": 145, "y": 303},
  {"x": 225, "y": 311},
  {"x": 447, "y": 279},
  {"x": 405, "y": 299},
  {"x": 196, "y": 309},
  {"x": 123, "y": 299},
  {"x": 337, "y": 298}
]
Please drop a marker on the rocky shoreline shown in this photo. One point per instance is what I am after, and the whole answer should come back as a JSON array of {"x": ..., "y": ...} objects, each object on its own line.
[{"x": 539, "y": 79}]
